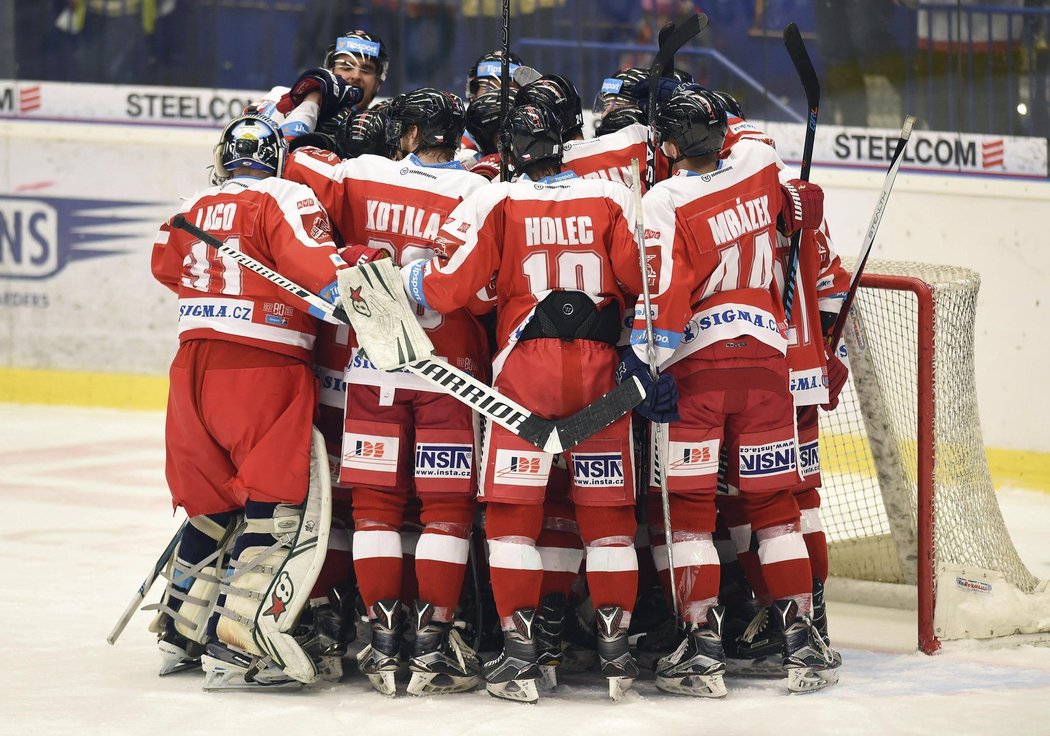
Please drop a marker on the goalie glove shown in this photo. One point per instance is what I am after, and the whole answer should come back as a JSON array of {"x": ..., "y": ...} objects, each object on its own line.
[
  {"x": 385, "y": 323},
  {"x": 335, "y": 92}
]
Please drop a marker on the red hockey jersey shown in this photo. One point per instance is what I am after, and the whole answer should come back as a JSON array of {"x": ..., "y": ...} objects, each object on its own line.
[
  {"x": 276, "y": 222},
  {"x": 399, "y": 207},
  {"x": 716, "y": 235},
  {"x": 560, "y": 233},
  {"x": 609, "y": 157}
]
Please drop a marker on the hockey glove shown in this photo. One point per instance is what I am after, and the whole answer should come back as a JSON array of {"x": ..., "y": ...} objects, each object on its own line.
[
  {"x": 335, "y": 92},
  {"x": 318, "y": 140},
  {"x": 487, "y": 166},
  {"x": 803, "y": 207},
  {"x": 837, "y": 375},
  {"x": 661, "y": 395},
  {"x": 355, "y": 255}
]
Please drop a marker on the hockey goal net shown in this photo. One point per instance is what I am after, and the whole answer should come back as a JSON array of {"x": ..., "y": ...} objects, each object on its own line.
[{"x": 908, "y": 504}]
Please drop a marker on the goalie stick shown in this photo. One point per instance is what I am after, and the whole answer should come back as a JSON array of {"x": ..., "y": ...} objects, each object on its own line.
[
  {"x": 669, "y": 46},
  {"x": 140, "y": 594},
  {"x": 796, "y": 49},
  {"x": 552, "y": 436},
  {"x": 873, "y": 228},
  {"x": 665, "y": 501}
]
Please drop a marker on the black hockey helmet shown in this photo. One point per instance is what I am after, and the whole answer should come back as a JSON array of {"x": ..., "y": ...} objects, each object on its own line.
[
  {"x": 361, "y": 45},
  {"x": 534, "y": 136},
  {"x": 365, "y": 132},
  {"x": 695, "y": 120},
  {"x": 619, "y": 119},
  {"x": 730, "y": 103},
  {"x": 251, "y": 141},
  {"x": 616, "y": 90},
  {"x": 559, "y": 95},
  {"x": 487, "y": 69},
  {"x": 438, "y": 115},
  {"x": 483, "y": 121}
]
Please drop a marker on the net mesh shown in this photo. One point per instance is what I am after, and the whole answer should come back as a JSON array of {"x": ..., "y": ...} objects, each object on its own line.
[{"x": 869, "y": 445}]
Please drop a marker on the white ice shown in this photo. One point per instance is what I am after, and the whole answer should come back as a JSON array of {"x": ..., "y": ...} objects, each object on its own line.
[{"x": 88, "y": 512}]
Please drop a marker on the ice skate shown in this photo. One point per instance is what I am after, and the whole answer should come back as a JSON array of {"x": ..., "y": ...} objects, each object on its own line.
[
  {"x": 513, "y": 674},
  {"x": 697, "y": 667},
  {"x": 323, "y": 632},
  {"x": 614, "y": 653},
  {"x": 550, "y": 623},
  {"x": 810, "y": 663},
  {"x": 759, "y": 650},
  {"x": 820, "y": 619},
  {"x": 228, "y": 668},
  {"x": 441, "y": 661},
  {"x": 381, "y": 659},
  {"x": 177, "y": 653}
]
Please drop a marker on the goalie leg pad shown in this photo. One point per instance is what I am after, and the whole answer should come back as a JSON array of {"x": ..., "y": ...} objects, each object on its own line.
[
  {"x": 278, "y": 559},
  {"x": 374, "y": 299}
]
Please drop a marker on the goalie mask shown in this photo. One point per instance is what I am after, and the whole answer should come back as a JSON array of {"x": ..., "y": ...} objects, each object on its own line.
[
  {"x": 484, "y": 75},
  {"x": 616, "y": 91},
  {"x": 558, "y": 94},
  {"x": 438, "y": 116},
  {"x": 359, "y": 46},
  {"x": 483, "y": 122},
  {"x": 535, "y": 136},
  {"x": 253, "y": 142},
  {"x": 695, "y": 120}
]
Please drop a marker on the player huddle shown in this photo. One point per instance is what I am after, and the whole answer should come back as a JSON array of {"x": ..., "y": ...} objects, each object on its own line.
[{"x": 331, "y": 488}]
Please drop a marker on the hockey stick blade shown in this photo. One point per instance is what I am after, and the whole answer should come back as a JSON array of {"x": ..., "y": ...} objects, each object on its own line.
[
  {"x": 687, "y": 29},
  {"x": 873, "y": 228},
  {"x": 140, "y": 594},
  {"x": 598, "y": 415},
  {"x": 480, "y": 397}
]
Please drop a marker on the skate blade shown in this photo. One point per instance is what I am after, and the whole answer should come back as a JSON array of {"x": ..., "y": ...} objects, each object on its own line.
[
  {"x": 174, "y": 659},
  {"x": 619, "y": 687},
  {"x": 220, "y": 676},
  {"x": 548, "y": 679},
  {"x": 438, "y": 683},
  {"x": 519, "y": 691},
  {"x": 329, "y": 668},
  {"x": 809, "y": 680},
  {"x": 383, "y": 682},
  {"x": 771, "y": 667},
  {"x": 696, "y": 686}
]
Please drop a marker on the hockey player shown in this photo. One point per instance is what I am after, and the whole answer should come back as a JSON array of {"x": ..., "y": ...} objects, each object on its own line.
[
  {"x": 719, "y": 330},
  {"x": 618, "y": 120},
  {"x": 483, "y": 123},
  {"x": 608, "y": 157},
  {"x": 232, "y": 448},
  {"x": 361, "y": 59},
  {"x": 485, "y": 75},
  {"x": 400, "y": 435},
  {"x": 615, "y": 92},
  {"x": 558, "y": 249}
]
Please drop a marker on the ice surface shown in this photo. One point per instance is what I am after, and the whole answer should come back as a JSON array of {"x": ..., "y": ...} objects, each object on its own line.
[{"x": 88, "y": 513}]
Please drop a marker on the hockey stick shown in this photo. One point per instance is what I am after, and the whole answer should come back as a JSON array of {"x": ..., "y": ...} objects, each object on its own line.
[
  {"x": 873, "y": 227},
  {"x": 548, "y": 435},
  {"x": 665, "y": 501},
  {"x": 140, "y": 594},
  {"x": 669, "y": 46},
  {"x": 504, "y": 96},
  {"x": 796, "y": 49}
]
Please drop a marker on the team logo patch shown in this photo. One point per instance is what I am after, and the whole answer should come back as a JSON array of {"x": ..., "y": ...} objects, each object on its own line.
[
  {"x": 522, "y": 468},
  {"x": 280, "y": 597},
  {"x": 369, "y": 452},
  {"x": 359, "y": 303},
  {"x": 443, "y": 460},
  {"x": 772, "y": 458},
  {"x": 692, "y": 458},
  {"x": 597, "y": 469}
]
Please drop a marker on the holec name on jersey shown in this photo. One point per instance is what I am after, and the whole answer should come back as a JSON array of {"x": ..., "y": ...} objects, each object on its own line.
[
  {"x": 404, "y": 219},
  {"x": 559, "y": 230},
  {"x": 745, "y": 217}
]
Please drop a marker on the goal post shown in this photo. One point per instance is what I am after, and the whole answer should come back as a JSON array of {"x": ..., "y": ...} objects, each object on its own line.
[{"x": 907, "y": 501}]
